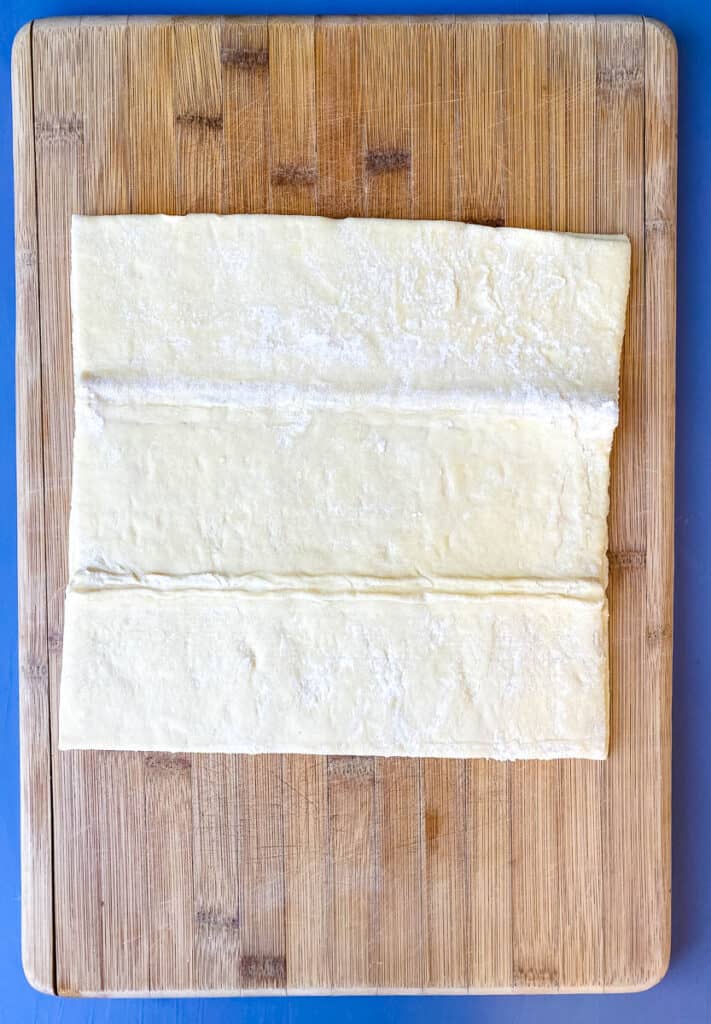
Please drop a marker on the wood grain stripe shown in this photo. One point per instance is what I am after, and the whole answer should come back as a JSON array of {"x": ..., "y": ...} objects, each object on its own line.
[
  {"x": 119, "y": 779},
  {"x": 261, "y": 873},
  {"x": 306, "y": 866},
  {"x": 217, "y": 914},
  {"x": 434, "y": 180},
  {"x": 572, "y": 71},
  {"x": 169, "y": 803},
  {"x": 197, "y": 112},
  {"x": 339, "y": 117},
  {"x": 480, "y": 121},
  {"x": 629, "y": 781},
  {"x": 387, "y": 119},
  {"x": 534, "y": 786},
  {"x": 401, "y": 940},
  {"x": 434, "y": 187},
  {"x": 246, "y": 117},
  {"x": 660, "y": 147},
  {"x": 352, "y": 845},
  {"x": 160, "y": 172},
  {"x": 489, "y": 875},
  {"x": 59, "y": 162},
  {"x": 294, "y": 189},
  {"x": 33, "y": 660},
  {"x": 152, "y": 151},
  {"x": 292, "y": 86},
  {"x": 388, "y": 69},
  {"x": 480, "y": 192},
  {"x": 211, "y": 920},
  {"x": 247, "y": 103},
  {"x": 350, "y": 780}
]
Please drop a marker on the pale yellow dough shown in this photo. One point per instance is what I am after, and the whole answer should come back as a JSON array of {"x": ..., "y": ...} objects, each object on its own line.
[
  {"x": 340, "y": 486},
  {"x": 179, "y": 490},
  {"x": 438, "y": 676}
]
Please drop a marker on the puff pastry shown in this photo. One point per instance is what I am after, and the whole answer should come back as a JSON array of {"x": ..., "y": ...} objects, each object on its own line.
[{"x": 340, "y": 486}]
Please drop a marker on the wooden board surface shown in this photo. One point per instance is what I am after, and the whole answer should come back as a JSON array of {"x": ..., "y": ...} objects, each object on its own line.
[{"x": 149, "y": 873}]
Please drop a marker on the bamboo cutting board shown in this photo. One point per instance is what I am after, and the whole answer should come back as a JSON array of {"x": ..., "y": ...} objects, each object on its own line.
[{"x": 150, "y": 873}]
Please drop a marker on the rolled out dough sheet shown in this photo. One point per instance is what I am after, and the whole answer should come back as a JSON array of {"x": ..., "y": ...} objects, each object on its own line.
[
  {"x": 340, "y": 486},
  {"x": 179, "y": 491},
  {"x": 357, "y": 305},
  {"x": 438, "y": 676}
]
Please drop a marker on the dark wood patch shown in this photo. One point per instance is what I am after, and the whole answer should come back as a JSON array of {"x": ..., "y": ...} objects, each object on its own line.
[
  {"x": 248, "y": 60},
  {"x": 294, "y": 174},
  {"x": 529, "y": 977},
  {"x": 168, "y": 762},
  {"x": 207, "y": 121},
  {"x": 381, "y": 161},
  {"x": 632, "y": 559},
  {"x": 491, "y": 222},
  {"x": 34, "y": 674},
  {"x": 216, "y": 920},
  {"x": 431, "y": 825},
  {"x": 55, "y": 641},
  {"x": 620, "y": 78},
  {"x": 659, "y": 634},
  {"x": 263, "y": 971},
  {"x": 60, "y": 129}
]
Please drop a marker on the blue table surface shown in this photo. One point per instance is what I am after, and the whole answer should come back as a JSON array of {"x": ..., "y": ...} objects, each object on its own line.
[{"x": 685, "y": 994}]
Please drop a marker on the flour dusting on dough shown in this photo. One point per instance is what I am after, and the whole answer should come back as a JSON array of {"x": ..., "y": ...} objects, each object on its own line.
[{"x": 345, "y": 493}]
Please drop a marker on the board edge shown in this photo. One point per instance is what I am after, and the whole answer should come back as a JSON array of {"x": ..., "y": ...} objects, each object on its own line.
[
  {"x": 36, "y": 840},
  {"x": 660, "y": 233}
]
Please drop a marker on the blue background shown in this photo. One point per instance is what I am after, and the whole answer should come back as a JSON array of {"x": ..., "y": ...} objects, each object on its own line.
[{"x": 685, "y": 994}]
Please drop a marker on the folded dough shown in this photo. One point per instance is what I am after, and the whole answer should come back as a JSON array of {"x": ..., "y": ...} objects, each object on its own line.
[{"x": 340, "y": 486}]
